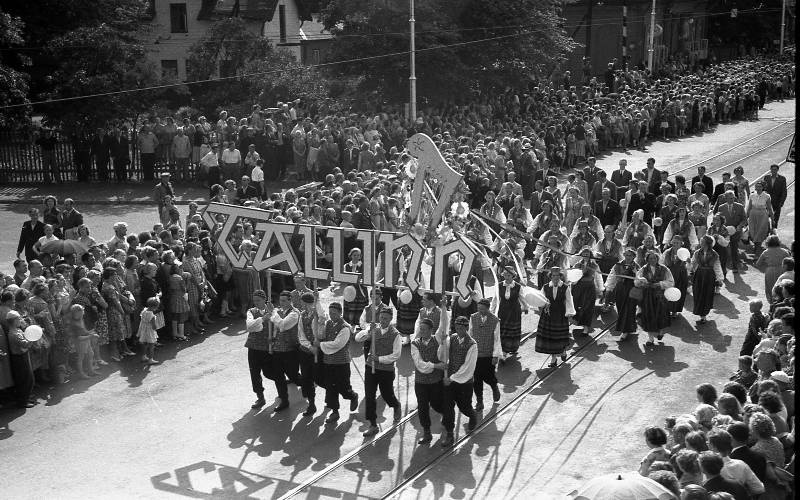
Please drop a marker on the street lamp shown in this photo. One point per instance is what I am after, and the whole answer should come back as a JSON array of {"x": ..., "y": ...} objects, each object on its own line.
[{"x": 783, "y": 23}]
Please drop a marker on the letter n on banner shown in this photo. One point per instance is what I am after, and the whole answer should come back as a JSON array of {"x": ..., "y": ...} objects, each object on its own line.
[
  {"x": 392, "y": 245},
  {"x": 440, "y": 263},
  {"x": 279, "y": 233}
]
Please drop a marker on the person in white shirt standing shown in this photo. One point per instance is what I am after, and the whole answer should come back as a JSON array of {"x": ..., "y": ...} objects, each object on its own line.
[
  {"x": 386, "y": 347},
  {"x": 462, "y": 354},
  {"x": 181, "y": 151},
  {"x": 209, "y": 164},
  {"x": 231, "y": 160},
  {"x": 257, "y": 176},
  {"x": 484, "y": 328},
  {"x": 333, "y": 342}
]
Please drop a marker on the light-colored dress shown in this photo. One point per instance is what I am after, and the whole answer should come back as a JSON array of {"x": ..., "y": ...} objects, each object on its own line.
[
  {"x": 772, "y": 259},
  {"x": 146, "y": 334},
  {"x": 758, "y": 221}
]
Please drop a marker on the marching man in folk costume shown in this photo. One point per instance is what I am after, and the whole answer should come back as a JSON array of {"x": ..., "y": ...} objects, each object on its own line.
[
  {"x": 428, "y": 354},
  {"x": 462, "y": 355},
  {"x": 310, "y": 358},
  {"x": 333, "y": 342},
  {"x": 484, "y": 329},
  {"x": 385, "y": 349},
  {"x": 259, "y": 357},
  {"x": 284, "y": 345}
]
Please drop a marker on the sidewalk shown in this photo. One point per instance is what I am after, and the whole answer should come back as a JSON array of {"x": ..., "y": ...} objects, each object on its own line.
[{"x": 109, "y": 193}]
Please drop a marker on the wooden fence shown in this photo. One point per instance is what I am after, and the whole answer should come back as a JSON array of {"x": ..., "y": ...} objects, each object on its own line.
[{"x": 21, "y": 160}]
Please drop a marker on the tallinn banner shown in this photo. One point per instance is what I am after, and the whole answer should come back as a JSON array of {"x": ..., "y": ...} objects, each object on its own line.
[{"x": 292, "y": 247}]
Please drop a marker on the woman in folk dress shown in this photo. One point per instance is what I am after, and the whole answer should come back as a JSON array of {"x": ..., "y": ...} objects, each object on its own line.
[
  {"x": 636, "y": 230},
  {"x": 647, "y": 246},
  {"x": 680, "y": 273},
  {"x": 683, "y": 227},
  {"x": 586, "y": 290},
  {"x": 705, "y": 276},
  {"x": 510, "y": 312},
  {"x": 552, "y": 336},
  {"x": 353, "y": 310},
  {"x": 618, "y": 289},
  {"x": 653, "y": 278}
]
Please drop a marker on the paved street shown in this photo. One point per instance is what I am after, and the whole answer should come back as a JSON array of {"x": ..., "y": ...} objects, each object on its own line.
[{"x": 185, "y": 428}]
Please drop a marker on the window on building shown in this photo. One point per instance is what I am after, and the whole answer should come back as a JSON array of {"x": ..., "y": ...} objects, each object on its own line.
[
  {"x": 315, "y": 56},
  {"x": 177, "y": 18},
  {"x": 169, "y": 69},
  {"x": 226, "y": 68},
  {"x": 282, "y": 22}
]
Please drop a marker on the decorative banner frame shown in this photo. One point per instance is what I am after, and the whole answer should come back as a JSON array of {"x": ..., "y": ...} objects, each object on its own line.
[{"x": 277, "y": 236}]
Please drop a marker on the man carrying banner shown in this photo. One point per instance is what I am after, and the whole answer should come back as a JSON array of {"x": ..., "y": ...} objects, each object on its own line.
[
  {"x": 259, "y": 358},
  {"x": 309, "y": 356},
  {"x": 484, "y": 328},
  {"x": 428, "y": 354},
  {"x": 462, "y": 354},
  {"x": 333, "y": 342},
  {"x": 385, "y": 350},
  {"x": 284, "y": 345}
]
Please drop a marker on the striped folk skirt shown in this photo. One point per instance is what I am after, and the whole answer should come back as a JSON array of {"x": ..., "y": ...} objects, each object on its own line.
[{"x": 552, "y": 335}]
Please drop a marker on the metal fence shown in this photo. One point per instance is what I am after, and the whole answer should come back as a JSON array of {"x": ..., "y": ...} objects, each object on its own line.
[{"x": 21, "y": 159}]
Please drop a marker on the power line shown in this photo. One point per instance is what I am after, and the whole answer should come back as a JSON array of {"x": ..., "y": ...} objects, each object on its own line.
[{"x": 327, "y": 36}]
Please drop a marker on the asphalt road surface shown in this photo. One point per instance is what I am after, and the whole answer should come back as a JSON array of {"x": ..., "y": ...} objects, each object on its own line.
[{"x": 185, "y": 428}]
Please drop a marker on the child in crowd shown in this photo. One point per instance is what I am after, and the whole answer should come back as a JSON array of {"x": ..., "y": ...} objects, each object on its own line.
[
  {"x": 758, "y": 323},
  {"x": 656, "y": 439},
  {"x": 148, "y": 324},
  {"x": 82, "y": 338},
  {"x": 745, "y": 375}
]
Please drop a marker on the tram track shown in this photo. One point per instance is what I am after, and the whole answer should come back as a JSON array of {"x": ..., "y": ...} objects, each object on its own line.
[{"x": 404, "y": 481}]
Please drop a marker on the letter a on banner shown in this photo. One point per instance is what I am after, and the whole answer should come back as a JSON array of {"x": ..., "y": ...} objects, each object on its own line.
[{"x": 280, "y": 233}]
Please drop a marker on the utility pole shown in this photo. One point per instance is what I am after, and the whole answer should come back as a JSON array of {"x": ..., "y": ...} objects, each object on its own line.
[
  {"x": 412, "y": 79},
  {"x": 650, "y": 47},
  {"x": 588, "y": 51},
  {"x": 625, "y": 35},
  {"x": 783, "y": 23}
]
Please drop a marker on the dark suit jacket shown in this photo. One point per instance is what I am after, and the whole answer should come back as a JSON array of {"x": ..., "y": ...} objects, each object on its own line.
[
  {"x": 120, "y": 148},
  {"x": 721, "y": 484},
  {"x": 755, "y": 460},
  {"x": 719, "y": 190},
  {"x": 590, "y": 175},
  {"x": 708, "y": 184},
  {"x": 29, "y": 235},
  {"x": 734, "y": 216},
  {"x": 596, "y": 193},
  {"x": 776, "y": 189},
  {"x": 654, "y": 183},
  {"x": 537, "y": 199},
  {"x": 244, "y": 194},
  {"x": 361, "y": 220},
  {"x": 621, "y": 179},
  {"x": 71, "y": 219},
  {"x": 612, "y": 215}
]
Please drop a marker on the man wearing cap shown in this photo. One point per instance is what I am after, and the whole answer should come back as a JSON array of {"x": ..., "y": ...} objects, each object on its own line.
[
  {"x": 333, "y": 342},
  {"x": 284, "y": 345},
  {"x": 484, "y": 328},
  {"x": 309, "y": 357},
  {"x": 428, "y": 353},
  {"x": 162, "y": 190},
  {"x": 462, "y": 355},
  {"x": 259, "y": 358},
  {"x": 385, "y": 350}
]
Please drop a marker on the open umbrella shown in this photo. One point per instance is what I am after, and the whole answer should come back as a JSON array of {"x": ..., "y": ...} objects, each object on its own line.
[
  {"x": 64, "y": 247},
  {"x": 625, "y": 486}
]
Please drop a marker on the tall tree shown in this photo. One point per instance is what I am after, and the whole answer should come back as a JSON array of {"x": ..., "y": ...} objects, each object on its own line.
[
  {"x": 13, "y": 83},
  {"x": 462, "y": 45}
]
